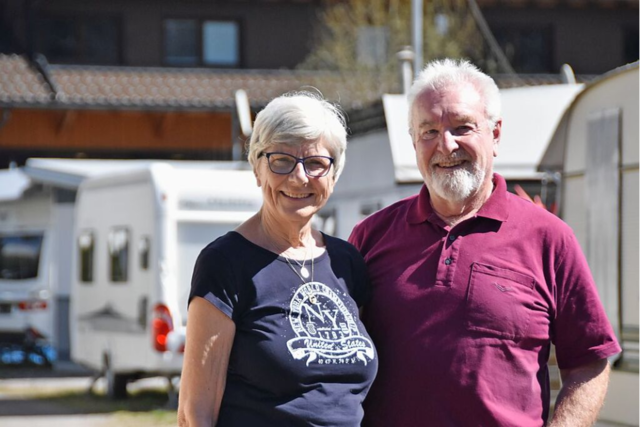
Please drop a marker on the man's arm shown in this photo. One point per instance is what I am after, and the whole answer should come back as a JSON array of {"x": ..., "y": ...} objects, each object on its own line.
[{"x": 582, "y": 395}]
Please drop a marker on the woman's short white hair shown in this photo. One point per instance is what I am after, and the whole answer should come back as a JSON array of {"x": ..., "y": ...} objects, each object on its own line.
[
  {"x": 439, "y": 74},
  {"x": 296, "y": 118}
]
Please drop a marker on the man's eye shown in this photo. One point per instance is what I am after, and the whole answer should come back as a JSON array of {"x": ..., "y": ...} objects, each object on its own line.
[
  {"x": 429, "y": 134},
  {"x": 462, "y": 130}
]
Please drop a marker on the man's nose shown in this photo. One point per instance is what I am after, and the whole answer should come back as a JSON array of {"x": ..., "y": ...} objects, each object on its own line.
[{"x": 448, "y": 143}]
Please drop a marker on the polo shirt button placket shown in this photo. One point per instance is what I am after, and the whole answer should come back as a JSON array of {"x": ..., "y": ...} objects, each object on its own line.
[{"x": 448, "y": 261}]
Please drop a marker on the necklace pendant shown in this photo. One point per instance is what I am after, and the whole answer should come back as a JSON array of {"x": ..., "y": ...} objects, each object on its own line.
[{"x": 304, "y": 272}]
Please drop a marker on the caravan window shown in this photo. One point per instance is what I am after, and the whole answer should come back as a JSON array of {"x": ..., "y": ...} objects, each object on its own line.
[
  {"x": 118, "y": 243},
  {"x": 86, "y": 243},
  {"x": 144, "y": 247},
  {"x": 20, "y": 256}
]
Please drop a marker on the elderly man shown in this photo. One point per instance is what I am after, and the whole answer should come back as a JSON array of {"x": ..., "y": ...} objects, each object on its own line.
[{"x": 472, "y": 284}]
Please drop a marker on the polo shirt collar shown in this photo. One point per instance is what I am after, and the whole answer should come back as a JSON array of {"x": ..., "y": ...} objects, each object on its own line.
[{"x": 496, "y": 207}]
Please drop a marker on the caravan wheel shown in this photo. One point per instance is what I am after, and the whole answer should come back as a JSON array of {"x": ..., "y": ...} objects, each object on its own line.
[{"x": 116, "y": 383}]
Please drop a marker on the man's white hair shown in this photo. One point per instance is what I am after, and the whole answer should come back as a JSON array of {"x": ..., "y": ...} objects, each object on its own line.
[
  {"x": 296, "y": 118},
  {"x": 440, "y": 74}
]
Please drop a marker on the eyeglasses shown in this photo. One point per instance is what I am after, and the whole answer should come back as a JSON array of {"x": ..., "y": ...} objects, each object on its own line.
[{"x": 284, "y": 164}]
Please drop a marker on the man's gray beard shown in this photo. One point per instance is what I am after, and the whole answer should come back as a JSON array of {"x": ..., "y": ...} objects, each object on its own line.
[{"x": 457, "y": 185}]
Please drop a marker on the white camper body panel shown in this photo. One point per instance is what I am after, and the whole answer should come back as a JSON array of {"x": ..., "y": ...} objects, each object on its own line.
[
  {"x": 106, "y": 313},
  {"x": 596, "y": 147},
  {"x": 175, "y": 212},
  {"x": 366, "y": 185},
  {"x": 18, "y": 219}
]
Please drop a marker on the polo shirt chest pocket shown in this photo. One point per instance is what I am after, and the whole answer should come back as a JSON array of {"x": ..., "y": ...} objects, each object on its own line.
[{"x": 499, "y": 301}]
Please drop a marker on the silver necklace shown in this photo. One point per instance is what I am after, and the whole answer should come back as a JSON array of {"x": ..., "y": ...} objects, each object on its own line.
[
  {"x": 301, "y": 274},
  {"x": 303, "y": 270}
]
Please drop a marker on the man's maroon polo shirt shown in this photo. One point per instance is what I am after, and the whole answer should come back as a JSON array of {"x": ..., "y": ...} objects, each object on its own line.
[{"x": 463, "y": 317}]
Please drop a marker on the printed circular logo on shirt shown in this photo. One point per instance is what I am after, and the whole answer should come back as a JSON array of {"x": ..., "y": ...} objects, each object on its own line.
[{"x": 326, "y": 332}]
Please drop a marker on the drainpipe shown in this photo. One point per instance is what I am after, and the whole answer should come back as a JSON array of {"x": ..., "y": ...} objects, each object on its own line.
[
  {"x": 243, "y": 110},
  {"x": 417, "y": 35},
  {"x": 406, "y": 58}
]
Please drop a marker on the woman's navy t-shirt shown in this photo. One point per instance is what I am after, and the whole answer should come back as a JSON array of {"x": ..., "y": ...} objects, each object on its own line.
[{"x": 300, "y": 356}]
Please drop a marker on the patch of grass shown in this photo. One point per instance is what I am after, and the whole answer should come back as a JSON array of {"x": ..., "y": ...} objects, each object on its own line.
[
  {"x": 92, "y": 403},
  {"x": 157, "y": 417},
  {"x": 147, "y": 407}
]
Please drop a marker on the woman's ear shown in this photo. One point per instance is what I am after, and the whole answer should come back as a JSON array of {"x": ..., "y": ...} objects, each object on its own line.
[{"x": 258, "y": 180}]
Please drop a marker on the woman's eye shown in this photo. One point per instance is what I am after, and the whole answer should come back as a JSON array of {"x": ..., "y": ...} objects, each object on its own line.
[
  {"x": 281, "y": 161},
  {"x": 314, "y": 163}
]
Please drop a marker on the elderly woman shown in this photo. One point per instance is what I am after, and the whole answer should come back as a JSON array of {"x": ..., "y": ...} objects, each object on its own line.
[{"x": 273, "y": 335}]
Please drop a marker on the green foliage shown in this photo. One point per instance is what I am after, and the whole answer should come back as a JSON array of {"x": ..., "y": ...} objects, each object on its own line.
[{"x": 341, "y": 42}]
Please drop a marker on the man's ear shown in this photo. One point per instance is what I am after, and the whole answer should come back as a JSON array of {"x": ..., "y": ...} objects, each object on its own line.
[
  {"x": 413, "y": 141},
  {"x": 258, "y": 182},
  {"x": 497, "y": 134}
]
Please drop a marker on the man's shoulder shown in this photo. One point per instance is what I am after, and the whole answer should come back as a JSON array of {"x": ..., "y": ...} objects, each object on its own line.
[{"x": 526, "y": 212}]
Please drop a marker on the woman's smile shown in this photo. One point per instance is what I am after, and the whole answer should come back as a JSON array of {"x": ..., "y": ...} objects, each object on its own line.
[{"x": 296, "y": 195}]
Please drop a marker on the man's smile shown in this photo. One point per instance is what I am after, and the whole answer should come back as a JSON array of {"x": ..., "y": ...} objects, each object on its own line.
[{"x": 447, "y": 164}]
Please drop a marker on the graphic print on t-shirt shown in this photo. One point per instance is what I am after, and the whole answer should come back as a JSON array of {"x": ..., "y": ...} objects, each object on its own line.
[{"x": 326, "y": 332}]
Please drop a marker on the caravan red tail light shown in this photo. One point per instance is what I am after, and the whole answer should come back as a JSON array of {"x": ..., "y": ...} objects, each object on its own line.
[
  {"x": 32, "y": 305},
  {"x": 162, "y": 324}
]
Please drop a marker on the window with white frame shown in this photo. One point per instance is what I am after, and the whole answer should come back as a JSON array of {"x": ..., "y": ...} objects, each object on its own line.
[
  {"x": 144, "y": 249},
  {"x": 192, "y": 42},
  {"x": 118, "y": 245},
  {"x": 86, "y": 245}
]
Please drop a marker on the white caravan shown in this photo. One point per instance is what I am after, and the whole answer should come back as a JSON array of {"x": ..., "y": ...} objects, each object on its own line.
[
  {"x": 595, "y": 147},
  {"x": 37, "y": 207},
  {"x": 138, "y": 235},
  {"x": 26, "y": 309}
]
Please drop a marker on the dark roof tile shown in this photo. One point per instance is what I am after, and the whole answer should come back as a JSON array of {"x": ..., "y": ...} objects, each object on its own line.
[{"x": 170, "y": 88}]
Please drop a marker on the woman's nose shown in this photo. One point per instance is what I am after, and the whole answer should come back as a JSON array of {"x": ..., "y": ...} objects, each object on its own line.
[{"x": 299, "y": 173}]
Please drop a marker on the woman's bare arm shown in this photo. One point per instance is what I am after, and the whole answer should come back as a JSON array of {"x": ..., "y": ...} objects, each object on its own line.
[{"x": 209, "y": 340}]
